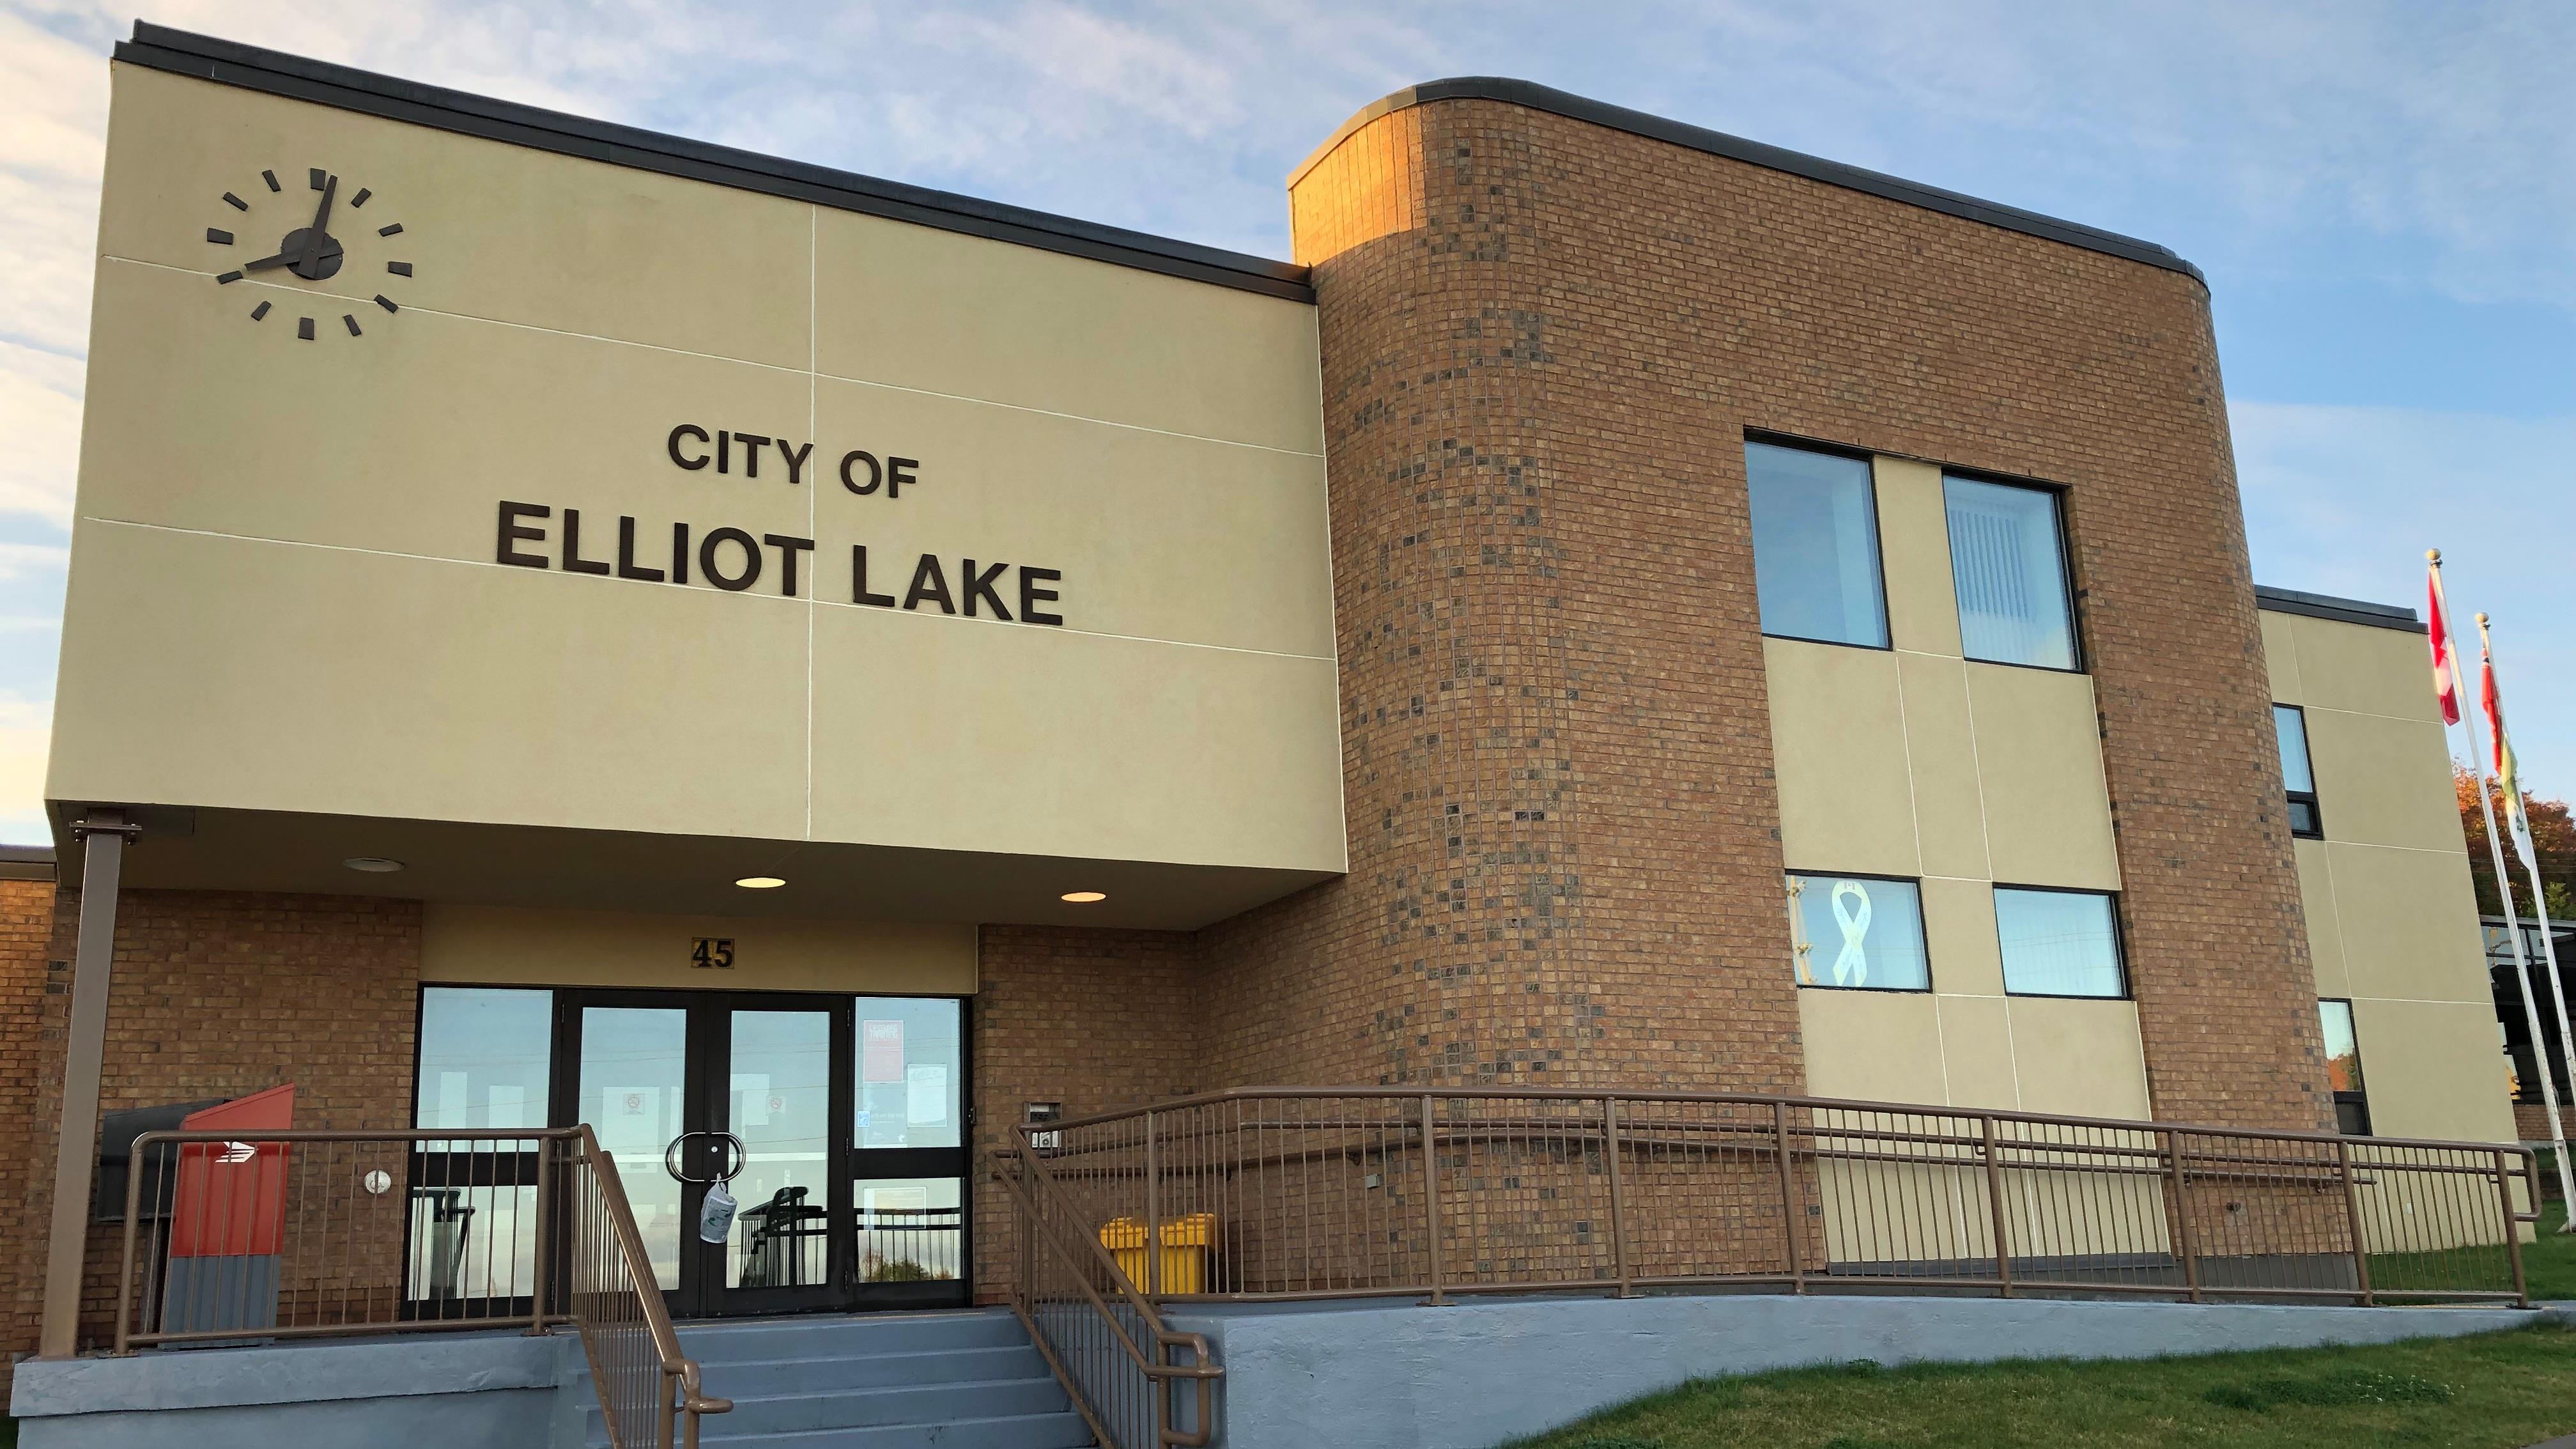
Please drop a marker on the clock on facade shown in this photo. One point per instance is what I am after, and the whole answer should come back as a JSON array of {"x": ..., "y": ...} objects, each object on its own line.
[{"x": 310, "y": 250}]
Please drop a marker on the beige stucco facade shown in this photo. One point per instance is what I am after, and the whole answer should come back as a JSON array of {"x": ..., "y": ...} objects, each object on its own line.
[
  {"x": 294, "y": 598},
  {"x": 1917, "y": 763},
  {"x": 2392, "y": 920},
  {"x": 515, "y": 946}
]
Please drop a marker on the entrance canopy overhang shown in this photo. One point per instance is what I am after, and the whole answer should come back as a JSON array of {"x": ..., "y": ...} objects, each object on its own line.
[{"x": 184, "y": 848}]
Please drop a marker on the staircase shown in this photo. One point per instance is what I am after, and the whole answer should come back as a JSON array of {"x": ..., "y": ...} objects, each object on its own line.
[{"x": 963, "y": 1380}]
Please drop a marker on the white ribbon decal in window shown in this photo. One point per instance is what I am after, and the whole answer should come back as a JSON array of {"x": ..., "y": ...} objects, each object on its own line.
[{"x": 1851, "y": 968}]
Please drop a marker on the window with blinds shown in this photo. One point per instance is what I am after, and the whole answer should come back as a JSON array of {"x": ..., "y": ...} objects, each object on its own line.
[
  {"x": 2008, "y": 562},
  {"x": 1815, "y": 545}
]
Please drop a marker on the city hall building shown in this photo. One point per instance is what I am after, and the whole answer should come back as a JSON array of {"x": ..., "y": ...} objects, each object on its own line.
[{"x": 568, "y": 625}]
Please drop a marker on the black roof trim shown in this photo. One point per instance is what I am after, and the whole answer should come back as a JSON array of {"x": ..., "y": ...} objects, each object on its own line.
[
  {"x": 2342, "y": 611},
  {"x": 1718, "y": 143},
  {"x": 276, "y": 73}
]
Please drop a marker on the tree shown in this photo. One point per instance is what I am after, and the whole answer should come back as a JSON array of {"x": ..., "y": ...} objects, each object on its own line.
[{"x": 2553, "y": 838}]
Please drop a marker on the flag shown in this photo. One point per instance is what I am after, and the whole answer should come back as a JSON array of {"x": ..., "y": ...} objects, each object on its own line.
[
  {"x": 2517, "y": 824},
  {"x": 2441, "y": 628}
]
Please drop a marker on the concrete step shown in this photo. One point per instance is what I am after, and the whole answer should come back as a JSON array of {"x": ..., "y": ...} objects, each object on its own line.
[
  {"x": 927, "y": 1405},
  {"x": 754, "y": 1377},
  {"x": 833, "y": 1337},
  {"x": 967, "y": 1379},
  {"x": 1020, "y": 1431}
]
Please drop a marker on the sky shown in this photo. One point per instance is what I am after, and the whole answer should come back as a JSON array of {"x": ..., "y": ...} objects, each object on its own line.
[{"x": 2383, "y": 196}]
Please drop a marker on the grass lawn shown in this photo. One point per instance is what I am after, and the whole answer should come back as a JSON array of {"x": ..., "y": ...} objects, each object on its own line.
[
  {"x": 2549, "y": 1265},
  {"x": 2492, "y": 1391}
]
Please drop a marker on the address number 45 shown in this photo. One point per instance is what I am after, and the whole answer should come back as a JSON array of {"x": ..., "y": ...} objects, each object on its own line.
[{"x": 712, "y": 953}]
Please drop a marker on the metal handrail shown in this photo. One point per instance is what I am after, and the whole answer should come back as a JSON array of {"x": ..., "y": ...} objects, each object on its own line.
[
  {"x": 2010, "y": 1209},
  {"x": 1027, "y": 1186},
  {"x": 332, "y": 1243},
  {"x": 351, "y": 1255},
  {"x": 1746, "y": 1099},
  {"x": 677, "y": 1367}
]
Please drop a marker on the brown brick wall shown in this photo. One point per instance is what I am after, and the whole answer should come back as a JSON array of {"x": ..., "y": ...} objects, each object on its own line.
[
  {"x": 2531, "y": 1121},
  {"x": 215, "y": 995},
  {"x": 32, "y": 1008},
  {"x": 1097, "y": 1020},
  {"x": 1564, "y": 854}
]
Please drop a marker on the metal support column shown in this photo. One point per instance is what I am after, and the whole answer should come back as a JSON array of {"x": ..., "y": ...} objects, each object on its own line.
[{"x": 103, "y": 834}]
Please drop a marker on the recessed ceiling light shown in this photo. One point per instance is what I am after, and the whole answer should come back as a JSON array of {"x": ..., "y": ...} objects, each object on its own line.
[
  {"x": 760, "y": 882},
  {"x": 1083, "y": 898},
  {"x": 373, "y": 864}
]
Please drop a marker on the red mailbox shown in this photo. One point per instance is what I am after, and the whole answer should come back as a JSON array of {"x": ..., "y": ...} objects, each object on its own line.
[{"x": 228, "y": 1217}]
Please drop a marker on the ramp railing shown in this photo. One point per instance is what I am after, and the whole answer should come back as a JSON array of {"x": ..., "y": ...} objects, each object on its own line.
[{"x": 1291, "y": 1193}]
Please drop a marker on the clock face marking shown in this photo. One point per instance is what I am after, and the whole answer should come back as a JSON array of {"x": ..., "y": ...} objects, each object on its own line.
[{"x": 307, "y": 251}]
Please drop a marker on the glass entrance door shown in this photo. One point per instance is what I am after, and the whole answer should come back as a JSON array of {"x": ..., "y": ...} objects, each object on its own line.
[
  {"x": 837, "y": 1120},
  {"x": 780, "y": 1066},
  {"x": 632, "y": 1087}
]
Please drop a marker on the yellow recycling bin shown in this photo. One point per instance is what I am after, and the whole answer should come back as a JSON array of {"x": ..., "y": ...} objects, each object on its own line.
[{"x": 1186, "y": 1243}]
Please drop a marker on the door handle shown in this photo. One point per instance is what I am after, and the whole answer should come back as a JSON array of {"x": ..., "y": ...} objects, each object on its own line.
[{"x": 739, "y": 1156}]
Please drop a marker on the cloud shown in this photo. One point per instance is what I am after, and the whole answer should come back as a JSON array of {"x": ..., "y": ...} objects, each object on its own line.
[
  {"x": 40, "y": 415},
  {"x": 2342, "y": 500}
]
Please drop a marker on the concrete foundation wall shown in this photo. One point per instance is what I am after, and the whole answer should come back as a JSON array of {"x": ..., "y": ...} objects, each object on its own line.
[
  {"x": 1478, "y": 1374},
  {"x": 478, "y": 1391}
]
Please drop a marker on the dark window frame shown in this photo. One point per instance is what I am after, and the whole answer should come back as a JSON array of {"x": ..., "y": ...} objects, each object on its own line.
[
  {"x": 2061, "y": 501},
  {"x": 2316, "y": 814},
  {"x": 1922, "y": 929},
  {"x": 2119, "y": 936},
  {"x": 1877, "y": 538}
]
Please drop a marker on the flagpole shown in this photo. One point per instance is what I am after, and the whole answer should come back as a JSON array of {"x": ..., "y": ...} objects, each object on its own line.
[
  {"x": 2504, "y": 889},
  {"x": 2493, "y": 704}
]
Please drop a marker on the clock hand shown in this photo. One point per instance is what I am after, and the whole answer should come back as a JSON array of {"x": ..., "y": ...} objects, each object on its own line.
[
  {"x": 280, "y": 260},
  {"x": 322, "y": 213},
  {"x": 313, "y": 237}
]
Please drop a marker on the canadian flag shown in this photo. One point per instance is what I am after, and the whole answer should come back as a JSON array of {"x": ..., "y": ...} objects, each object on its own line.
[{"x": 2445, "y": 676}]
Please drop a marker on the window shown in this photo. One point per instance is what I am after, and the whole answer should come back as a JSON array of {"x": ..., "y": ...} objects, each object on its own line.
[
  {"x": 909, "y": 1085},
  {"x": 1815, "y": 546},
  {"x": 1858, "y": 932},
  {"x": 2058, "y": 943},
  {"x": 2343, "y": 1069},
  {"x": 485, "y": 1055},
  {"x": 2291, "y": 725},
  {"x": 2009, "y": 565}
]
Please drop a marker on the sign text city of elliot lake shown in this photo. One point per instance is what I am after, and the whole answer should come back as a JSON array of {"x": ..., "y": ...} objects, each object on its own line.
[{"x": 537, "y": 536}]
